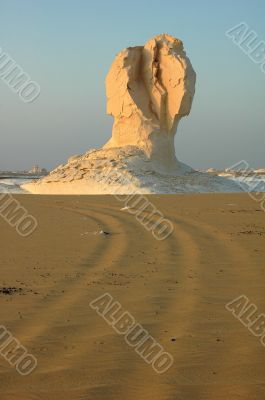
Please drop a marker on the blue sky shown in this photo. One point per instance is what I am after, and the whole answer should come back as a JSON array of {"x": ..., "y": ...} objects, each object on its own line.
[{"x": 68, "y": 47}]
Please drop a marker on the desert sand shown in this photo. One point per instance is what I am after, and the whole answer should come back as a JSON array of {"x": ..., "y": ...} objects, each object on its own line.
[{"x": 176, "y": 288}]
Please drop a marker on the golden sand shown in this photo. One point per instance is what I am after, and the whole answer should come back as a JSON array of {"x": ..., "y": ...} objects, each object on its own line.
[{"x": 177, "y": 289}]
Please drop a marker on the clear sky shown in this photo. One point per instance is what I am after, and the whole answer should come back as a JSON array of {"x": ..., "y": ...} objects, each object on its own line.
[{"x": 67, "y": 46}]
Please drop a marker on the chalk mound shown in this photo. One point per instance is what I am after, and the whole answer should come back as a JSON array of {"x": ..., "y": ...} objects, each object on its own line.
[
  {"x": 149, "y": 89},
  {"x": 124, "y": 170}
]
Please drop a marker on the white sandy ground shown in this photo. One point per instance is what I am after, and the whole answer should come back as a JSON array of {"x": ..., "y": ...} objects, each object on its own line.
[
  {"x": 128, "y": 170},
  {"x": 198, "y": 183},
  {"x": 124, "y": 171}
]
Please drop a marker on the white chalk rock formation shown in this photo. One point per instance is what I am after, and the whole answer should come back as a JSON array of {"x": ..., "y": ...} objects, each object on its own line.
[{"x": 149, "y": 89}]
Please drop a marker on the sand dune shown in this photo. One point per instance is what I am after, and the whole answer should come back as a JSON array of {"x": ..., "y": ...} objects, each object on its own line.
[{"x": 176, "y": 288}]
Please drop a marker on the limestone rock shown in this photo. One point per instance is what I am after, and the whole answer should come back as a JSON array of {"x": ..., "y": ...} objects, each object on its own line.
[{"x": 149, "y": 89}]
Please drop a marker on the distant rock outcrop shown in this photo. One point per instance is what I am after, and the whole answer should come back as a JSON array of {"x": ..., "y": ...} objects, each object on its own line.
[{"x": 36, "y": 170}]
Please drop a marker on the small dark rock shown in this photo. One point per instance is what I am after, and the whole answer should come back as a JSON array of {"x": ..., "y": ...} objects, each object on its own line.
[{"x": 10, "y": 290}]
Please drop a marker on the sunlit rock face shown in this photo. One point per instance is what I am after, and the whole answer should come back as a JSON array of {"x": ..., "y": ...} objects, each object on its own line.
[{"x": 149, "y": 89}]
